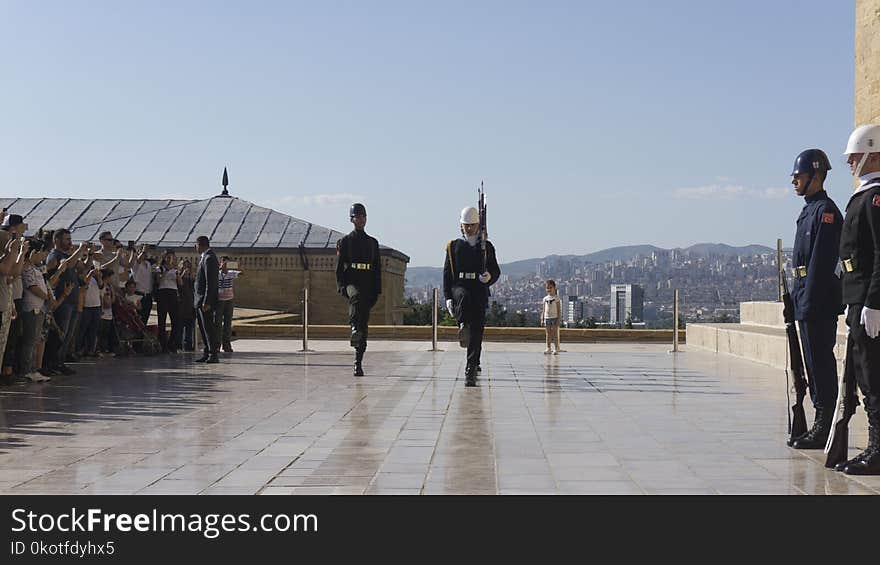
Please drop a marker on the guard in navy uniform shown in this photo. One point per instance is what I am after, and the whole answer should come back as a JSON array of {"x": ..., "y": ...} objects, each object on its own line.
[
  {"x": 815, "y": 289},
  {"x": 860, "y": 261},
  {"x": 359, "y": 279},
  {"x": 466, "y": 283}
]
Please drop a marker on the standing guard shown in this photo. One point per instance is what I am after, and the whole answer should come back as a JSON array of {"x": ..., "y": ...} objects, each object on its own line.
[
  {"x": 468, "y": 272},
  {"x": 860, "y": 260},
  {"x": 816, "y": 290},
  {"x": 359, "y": 279}
]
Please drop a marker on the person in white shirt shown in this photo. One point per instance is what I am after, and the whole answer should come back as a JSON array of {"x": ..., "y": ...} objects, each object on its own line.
[
  {"x": 551, "y": 314},
  {"x": 108, "y": 342},
  {"x": 142, "y": 273},
  {"x": 225, "y": 296},
  {"x": 166, "y": 302},
  {"x": 91, "y": 315}
]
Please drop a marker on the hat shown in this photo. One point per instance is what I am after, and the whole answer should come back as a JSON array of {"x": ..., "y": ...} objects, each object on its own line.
[{"x": 12, "y": 220}]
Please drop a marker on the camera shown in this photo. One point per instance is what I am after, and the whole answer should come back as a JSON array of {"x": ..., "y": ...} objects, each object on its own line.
[{"x": 233, "y": 265}]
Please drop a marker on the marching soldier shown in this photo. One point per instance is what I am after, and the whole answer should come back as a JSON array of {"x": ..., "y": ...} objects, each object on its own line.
[
  {"x": 860, "y": 259},
  {"x": 358, "y": 278},
  {"x": 815, "y": 290},
  {"x": 466, "y": 281}
]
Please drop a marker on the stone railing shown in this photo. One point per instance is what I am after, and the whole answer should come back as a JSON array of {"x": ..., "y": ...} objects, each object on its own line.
[{"x": 448, "y": 333}]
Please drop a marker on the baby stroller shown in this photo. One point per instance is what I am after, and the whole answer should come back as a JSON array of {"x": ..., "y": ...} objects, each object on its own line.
[{"x": 134, "y": 337}]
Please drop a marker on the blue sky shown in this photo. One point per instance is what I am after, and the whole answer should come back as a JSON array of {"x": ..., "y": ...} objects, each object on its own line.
[{"x": 593, "y": 124}]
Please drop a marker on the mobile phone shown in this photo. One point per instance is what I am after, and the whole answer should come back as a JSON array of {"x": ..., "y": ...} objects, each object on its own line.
[
  {"x": 232, "y": 265},
  {"x": 131, "y": 244}
]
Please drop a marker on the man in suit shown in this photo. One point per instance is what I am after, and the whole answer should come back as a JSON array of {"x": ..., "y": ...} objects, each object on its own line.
[{"x": 206, "y": 297}]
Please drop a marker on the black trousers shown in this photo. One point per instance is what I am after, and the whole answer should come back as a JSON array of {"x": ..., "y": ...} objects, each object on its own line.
[
  {"x": 208, "y": 331},
  {"x": 146, "y": 307},
  {"x": 863, "y": 360},
  {"x": 167, "y": 306},
  {"x": 818, "y": 337},
  {"x": 471, "y": 310},
  {"x": 360, "y": 302}
]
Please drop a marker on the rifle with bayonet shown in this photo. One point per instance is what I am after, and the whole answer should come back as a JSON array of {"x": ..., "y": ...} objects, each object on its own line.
[
  {"x": 484, "y": 234},
  {"x": 797, "y": 421},
  {"x": 838, "y": 439}
]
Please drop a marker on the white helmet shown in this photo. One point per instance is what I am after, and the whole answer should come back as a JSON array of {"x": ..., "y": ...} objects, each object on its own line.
[
  {"x": 864, "y": 139},
  {"x": 470, "y": 215}
]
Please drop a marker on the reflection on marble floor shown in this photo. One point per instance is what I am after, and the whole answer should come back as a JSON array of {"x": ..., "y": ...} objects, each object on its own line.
[{"x": 598, "y": 419}]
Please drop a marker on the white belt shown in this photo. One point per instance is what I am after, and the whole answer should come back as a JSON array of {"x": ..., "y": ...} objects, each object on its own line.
[{"x": 467, "y": 275}]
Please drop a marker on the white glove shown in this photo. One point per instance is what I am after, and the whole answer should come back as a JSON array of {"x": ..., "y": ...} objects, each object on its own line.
[
  {"x": 449, "y": 306},
  {"x": 871, "y": 321},
  {"x": 485, "y": 277}
]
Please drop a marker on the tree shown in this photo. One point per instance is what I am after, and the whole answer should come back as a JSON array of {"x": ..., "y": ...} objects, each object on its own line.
[
  {"x": 419, "y": 314},
  {"x": 497, "y": 315}
]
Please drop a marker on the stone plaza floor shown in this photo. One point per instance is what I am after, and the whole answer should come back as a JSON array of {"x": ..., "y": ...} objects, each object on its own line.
[{"x": 597, "y": 419}]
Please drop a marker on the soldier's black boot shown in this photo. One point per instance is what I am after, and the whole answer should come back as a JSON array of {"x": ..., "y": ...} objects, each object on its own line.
[
  {"x": 868, "y": 462},
  {"x": 358, "y": 359},
  {"x": 817, "y": 437},
  {"x": 470, "y": 376},
  {"x": 358, "y": 363}
]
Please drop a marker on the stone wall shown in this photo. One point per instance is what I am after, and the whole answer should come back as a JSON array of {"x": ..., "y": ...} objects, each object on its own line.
[
  {"x": 867, "y": 59},
  {"x": 275, "y": 279}
]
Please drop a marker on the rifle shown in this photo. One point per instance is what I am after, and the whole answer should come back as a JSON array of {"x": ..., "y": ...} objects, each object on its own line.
[
  {"x": 484, "y": 234},
  {"x": 797, "y": 421},
  {"x": 838, "y": 439}
]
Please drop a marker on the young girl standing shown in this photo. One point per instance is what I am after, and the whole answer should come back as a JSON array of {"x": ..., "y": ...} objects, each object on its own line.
[{"x": 551, "y": 313}]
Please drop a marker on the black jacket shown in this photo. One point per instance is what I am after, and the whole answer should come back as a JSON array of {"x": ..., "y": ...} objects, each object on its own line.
[
  {"x": 207, "y": 280},
  {"x": 816, "y": 247},
  {"x": 467, "y": 259},
  {"x": 860, "y": 243},
  {"x": 358, "y": 248}
]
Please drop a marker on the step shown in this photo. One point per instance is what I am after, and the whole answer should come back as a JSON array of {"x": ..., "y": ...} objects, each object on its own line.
[
  {"x": 762, "y": 344},
  {"x": 769, "y": 314}
]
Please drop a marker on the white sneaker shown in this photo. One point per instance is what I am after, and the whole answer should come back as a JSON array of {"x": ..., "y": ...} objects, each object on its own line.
[
  {"x": 556, "y": 352},
  {"x": 36, "y": 377},
  {"x": 546, "y": 352}
]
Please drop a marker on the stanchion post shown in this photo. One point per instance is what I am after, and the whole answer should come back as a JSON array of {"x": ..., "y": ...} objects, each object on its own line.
[
  {"x": 675, "y": 321},
  {"x": 780, "y": 272},
  {"x": 305, "y": 311},
  {"x": 434, "y": 321}
]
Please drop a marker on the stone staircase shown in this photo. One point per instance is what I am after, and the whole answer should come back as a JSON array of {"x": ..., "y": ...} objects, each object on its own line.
[{"x": 759, "y": 337}]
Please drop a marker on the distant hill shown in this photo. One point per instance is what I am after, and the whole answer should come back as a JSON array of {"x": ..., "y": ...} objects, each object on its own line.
[{"x": 420, "y": 276}]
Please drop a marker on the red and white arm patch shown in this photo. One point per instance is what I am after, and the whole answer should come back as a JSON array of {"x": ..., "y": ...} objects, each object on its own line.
[
  {"x": 876, "y": 201},
  {"x": 828, "y": 218}
]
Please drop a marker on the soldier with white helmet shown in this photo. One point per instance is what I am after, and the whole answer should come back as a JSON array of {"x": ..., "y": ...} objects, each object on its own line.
[
  {"x": 860, "y": 260},
  {"x": 467, "y": 275}
]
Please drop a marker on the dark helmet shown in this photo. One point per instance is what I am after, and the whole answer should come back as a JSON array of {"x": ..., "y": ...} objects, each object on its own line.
[
  {"x": 811, "y": 161},
  {"x": 357, "y": 209}
]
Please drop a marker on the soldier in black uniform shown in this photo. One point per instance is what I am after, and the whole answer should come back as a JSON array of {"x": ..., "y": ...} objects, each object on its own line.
[
  {"x": 467, "y": 277},
  {"x": 815, "y": 290},
  {"x": 860, "y": 260},
  {"x": 358, "y": 278}
]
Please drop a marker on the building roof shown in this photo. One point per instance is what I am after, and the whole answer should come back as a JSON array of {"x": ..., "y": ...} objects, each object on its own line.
[{"x": 228, "y": 221}]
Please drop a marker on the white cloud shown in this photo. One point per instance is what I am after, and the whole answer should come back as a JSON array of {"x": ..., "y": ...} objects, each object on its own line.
[{"x": 728, "y": 192}]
